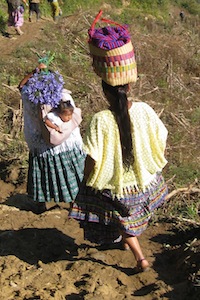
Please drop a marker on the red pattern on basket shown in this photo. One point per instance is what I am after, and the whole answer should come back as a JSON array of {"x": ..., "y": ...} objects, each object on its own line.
[
  {"x": 112, "y": 52},
  {"x": 112, "y": 59}
]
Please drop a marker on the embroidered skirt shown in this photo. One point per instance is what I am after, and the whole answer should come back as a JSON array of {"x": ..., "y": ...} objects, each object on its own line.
[
  {"x": 104, "y": 218},
  {"x": 55, "y": 177},
  {"x": 16, "y": 18}
]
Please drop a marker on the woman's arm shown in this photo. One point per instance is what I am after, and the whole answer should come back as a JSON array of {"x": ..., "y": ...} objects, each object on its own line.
[
  {"x": 25, "y": 2},
  {"x": 29, "y": 75},
  {"x": 51, "y": 125}
]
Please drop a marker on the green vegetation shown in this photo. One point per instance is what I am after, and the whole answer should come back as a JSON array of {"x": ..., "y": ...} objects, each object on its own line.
[
  {"x": 137, "y": 7},
  {"x": 185, "y": 173},
  {"x": 195, "y": 116}
]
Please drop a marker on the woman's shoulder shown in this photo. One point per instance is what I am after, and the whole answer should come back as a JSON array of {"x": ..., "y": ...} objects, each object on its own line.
[
  {"x": 141, "y": 107},
  {"x": 103, "y": 119},
  {"x": 139, "y": 104},
  {"x": 103, "y": 114}
]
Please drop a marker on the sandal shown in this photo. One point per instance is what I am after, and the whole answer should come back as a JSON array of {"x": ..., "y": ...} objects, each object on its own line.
[{"x": 142, "y": 265}]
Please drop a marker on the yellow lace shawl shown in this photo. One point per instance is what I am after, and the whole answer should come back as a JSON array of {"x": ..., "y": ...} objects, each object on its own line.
[{"x": 102, "y": 143}]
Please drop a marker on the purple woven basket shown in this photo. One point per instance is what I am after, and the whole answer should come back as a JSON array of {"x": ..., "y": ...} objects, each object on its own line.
[{"x": 112, "y": 53}]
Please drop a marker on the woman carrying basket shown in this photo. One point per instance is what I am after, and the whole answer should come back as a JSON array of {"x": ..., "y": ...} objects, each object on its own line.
[{"x": 125, "y": 147}]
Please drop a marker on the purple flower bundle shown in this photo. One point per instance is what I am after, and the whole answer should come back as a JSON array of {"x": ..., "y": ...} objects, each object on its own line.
[{"x": 45, "y": 88}]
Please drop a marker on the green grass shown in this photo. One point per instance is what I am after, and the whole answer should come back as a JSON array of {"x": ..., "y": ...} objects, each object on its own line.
[
  {"x": 185, "y": 173},
  {"x": 184, "y": 209},
  {"x": 136, "y": 8},
  {"x": 195, "y": 116}
]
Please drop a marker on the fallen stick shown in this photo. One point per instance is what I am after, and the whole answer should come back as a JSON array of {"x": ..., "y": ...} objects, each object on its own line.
[
  {"x": 188, "y": 190},
  {"x": 185, "y": 220},
  {"x": 12, "y": 88},
  {"x": 160, "y": 113},
  {"x": 155, "y": 89}
]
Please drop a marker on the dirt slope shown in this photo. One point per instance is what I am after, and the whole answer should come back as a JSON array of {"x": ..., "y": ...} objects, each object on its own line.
[
  {"x": 32, "y": 32},
  {"x": 45, "y": 256}
]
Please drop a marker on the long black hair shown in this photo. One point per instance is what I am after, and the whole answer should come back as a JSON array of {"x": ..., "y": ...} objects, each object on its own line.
[{"x": 119, "y": 106}]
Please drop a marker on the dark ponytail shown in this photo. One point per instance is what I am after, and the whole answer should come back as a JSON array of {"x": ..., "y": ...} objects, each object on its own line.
[{"x": 119, "y": 106}]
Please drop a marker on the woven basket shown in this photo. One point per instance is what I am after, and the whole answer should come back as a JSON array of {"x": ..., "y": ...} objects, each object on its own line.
[{"x": 116, "y": 66}]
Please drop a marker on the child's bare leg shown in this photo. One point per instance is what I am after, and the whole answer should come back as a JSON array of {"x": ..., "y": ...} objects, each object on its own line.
[
  {"x": 134, "y": 245},
  {"x": 18, "y": 30}
]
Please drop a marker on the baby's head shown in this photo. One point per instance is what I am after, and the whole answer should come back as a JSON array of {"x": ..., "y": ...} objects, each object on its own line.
[{"x": 65, "y": 110}]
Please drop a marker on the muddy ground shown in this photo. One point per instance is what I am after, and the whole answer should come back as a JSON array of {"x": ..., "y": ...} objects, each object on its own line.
[{"x": 44, "y": 256}]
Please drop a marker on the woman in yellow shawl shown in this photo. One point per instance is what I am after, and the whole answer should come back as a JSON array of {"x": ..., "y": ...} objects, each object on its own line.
[{"x": 123, "y": 183}]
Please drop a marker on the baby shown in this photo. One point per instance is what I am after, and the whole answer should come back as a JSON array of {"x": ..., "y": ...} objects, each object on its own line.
[{"x": 63, "y": 113}]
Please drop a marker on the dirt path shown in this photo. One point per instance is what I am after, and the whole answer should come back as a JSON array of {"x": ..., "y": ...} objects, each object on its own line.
[
  {"x": 45, "y": 256},
  {"x": 33, "y": 32}
]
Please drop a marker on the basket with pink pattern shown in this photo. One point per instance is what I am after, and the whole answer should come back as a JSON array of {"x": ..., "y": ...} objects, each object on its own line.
[{"x": 112, "y": 52}]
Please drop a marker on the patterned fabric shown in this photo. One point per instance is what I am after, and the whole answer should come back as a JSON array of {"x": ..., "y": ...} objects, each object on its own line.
[
  {"x": 109, "y": 37},
  {"x": 55, "y": 177},
  {"x": 149, "y": 140},
  {"x": 16, "y": 17},
  {"x": 103, "y": 218},
  {"x": 112, "y": 52}
]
